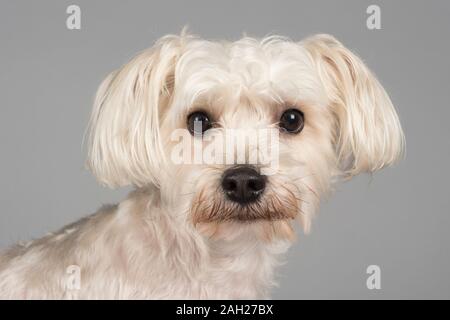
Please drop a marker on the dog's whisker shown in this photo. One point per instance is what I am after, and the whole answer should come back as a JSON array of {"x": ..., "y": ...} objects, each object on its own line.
[{"x": 303, "y": 177}]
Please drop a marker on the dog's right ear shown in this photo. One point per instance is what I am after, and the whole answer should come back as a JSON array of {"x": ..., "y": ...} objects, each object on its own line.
[{"x": 124, "y": 132}]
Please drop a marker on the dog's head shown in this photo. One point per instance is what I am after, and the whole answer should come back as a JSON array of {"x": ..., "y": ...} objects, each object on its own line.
[{"x": 317, "y": 109}]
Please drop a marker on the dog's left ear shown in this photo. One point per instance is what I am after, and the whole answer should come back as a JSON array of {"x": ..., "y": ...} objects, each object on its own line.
[
  {"x": 124, "y": 144},
  {"x": 368, "y": 136}
]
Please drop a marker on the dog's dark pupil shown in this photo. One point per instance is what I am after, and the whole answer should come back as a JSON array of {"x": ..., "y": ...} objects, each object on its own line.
[
  {"x": 292, "y": 120},
  {"x": 198, "y": 120}
]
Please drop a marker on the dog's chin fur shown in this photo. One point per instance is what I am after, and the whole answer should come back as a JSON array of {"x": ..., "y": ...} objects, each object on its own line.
[{"x": 177, "y": 235}]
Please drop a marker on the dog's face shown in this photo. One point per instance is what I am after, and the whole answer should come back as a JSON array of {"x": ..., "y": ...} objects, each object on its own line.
[{"x": 318, "y": 110}]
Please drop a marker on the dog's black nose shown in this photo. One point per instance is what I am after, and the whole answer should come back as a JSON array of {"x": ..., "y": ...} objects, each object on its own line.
[{"x": 243, "y": 184}]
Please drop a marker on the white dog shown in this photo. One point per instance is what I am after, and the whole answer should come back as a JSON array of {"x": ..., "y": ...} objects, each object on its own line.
[{"x": 196, "y": 230}]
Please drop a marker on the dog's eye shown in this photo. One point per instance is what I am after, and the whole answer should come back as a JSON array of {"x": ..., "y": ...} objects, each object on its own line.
[
  {"x": 198, "y": 122},
  {"x": 292, "y": 121}
]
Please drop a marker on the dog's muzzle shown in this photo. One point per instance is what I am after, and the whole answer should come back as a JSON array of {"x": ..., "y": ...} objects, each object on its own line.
[
  {"x": 246, "y": 196},
  {"x": 243, "y": 184}
]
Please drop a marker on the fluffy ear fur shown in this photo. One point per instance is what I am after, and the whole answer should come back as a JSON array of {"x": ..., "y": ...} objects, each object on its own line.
[
  {"x": 369, "y": 135},
  {"x": 124, "y": 133}
]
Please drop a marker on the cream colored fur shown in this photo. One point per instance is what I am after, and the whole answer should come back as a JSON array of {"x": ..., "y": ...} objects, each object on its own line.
[{"x": 158, "y": 243}]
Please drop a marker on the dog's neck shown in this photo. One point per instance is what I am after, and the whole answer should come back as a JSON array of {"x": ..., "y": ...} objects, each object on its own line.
[
  {"x": 245, "y": 265},
  {"x": 238, "y": 266}
]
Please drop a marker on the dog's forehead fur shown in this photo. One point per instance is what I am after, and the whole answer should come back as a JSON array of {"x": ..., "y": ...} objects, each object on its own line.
[{"x": 268, "y": 71}]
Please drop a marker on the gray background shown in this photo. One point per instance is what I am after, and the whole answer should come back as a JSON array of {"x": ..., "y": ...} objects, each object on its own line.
[{"x": 399, "y": 219}]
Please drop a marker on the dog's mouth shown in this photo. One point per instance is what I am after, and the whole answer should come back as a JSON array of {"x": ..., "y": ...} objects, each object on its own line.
[
  {"x": 267, "y": 218},
  {"x": 274, "y": 207},
  {"x": 216, "y": 215}
]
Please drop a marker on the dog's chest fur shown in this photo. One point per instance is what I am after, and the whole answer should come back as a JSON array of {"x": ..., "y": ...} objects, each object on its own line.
[{"x": 137, "y": 250}]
